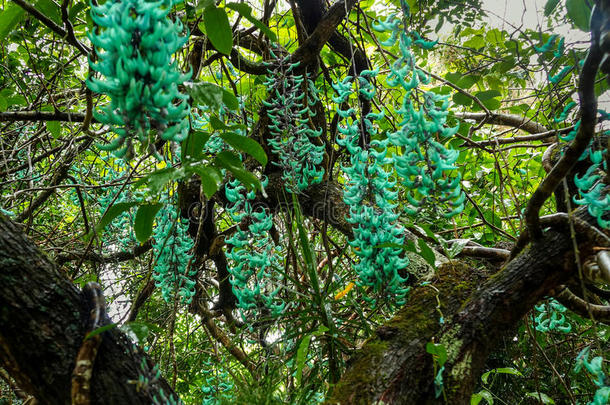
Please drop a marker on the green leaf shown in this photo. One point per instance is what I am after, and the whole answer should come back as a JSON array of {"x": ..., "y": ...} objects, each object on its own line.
[
  {"x": 9, "y": 18},
  {"x": 245, "y": 144},
  {"x": 483, "y": 394},
  {"x": 203, "y": 4},
  {"x": 111, "y": 213},
  {"x": 218, "y": 29},
  {"x": 50, "y": 9},
  {"x": 192, "y": 146},
  {"x": 205, "y": 93},
  {"x": 426, "y": 252},
  {"x": 246, "y": 11},
  {"x": 579, "y": 13},
  {"x": 219, "y": 125},
  {"x": 54, "y": 128},
  {"x": 3, "y": 103},
  {"x": 214, "y": 96},
  {"x": 159, "y": 178},
  {"x": 211, "y": 178},
  {"x": 549, "y": 7},
  {"x": 99, "y": 330},
  {"x": 140, "y": 330},
  {"x": 230, "y": 100},
  {"x": 438, "y": 351},
  {"x": 75, "y": 10},
  {"x": 540, "y": 396},
  {"x": 143, "y": 224},
  {"x": 462, "y": 99},
  {"x": 501, "y": 370},
  {"x": 302, "y": 352},
  {"x": 229, "y": 161},
  {"x": 487, "y": 94}
]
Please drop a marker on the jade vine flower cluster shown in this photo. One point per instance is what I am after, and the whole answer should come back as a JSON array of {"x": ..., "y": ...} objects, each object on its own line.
[
  {"x": 134, "y": 44},
  {"x": 425, "y": 165},
  {"x": 371, "y": 196},
  {"x": 289, "y": 110},
  {"x": 254, "y": 274},
  {"x": 172, "y": 244}
]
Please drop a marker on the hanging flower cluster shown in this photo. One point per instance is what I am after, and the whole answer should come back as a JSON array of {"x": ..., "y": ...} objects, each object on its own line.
[
  {"x": 138, "y": 40},
  {"x": 371, "y": 197},
  {"x": 596, "y": 369},
  {"x": 291, "y": 127},
  {"x": 172, "y": 244},
  {"x": 254, "y": 274},
  {"x": 551, "y": 317},
  {"x": 590, "y": 185},
  {"x": 424, "y": 165},
  {"x": 218, "y": 388}
]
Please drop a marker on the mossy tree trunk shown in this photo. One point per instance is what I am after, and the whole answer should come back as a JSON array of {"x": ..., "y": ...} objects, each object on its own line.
[{"x": 478, "y": 312}]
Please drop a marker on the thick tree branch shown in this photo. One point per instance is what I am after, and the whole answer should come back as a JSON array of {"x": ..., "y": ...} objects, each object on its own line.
[
  {"x": 476, "y": 317},
  {"x": 42, "y": 326},
  {"x": 509, "y": 120},
  {"x": 12, "y": 116}
]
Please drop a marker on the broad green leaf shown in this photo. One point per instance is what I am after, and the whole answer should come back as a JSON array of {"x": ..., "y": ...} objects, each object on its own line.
[
  {"x": 211, "y": 178},
  {"x": 483, "y": 394},
  {"x": 50, "y": 9},
  {"x": 140, "y": 330},
  {"x": 230, "y": 100},
  {"x": 492, "y": 104},
  {"x": 245, "y": 144},
  {"x": 426, "y": 252},
  {"x": 466, "y": 82},
  {"x": 218, "y": 29},
  {"x": 203, "y": 4},
  {"x": 246, "y": 11},
  {"x": 540, "y": 396},
  {"x": 501, "y": 370},
  {"x": 438, "y": 351},
  {"x": 3, "y": 103},
  {"x": 219, "y": 125},
  {"x": 205, "y": 93},
  {"x": 302, "y": 352},
  {"x": 159, "y": 178},
  {"x": 111, "y": 213},
  {"x": 192, "y": 146},
  {"x": 99, "y": 330},
  {"x": 579, "y": 13},
  {"x": 143, "y": 224},
  {"x": 54, "y": 128},
  {"x": 75, "y": 10},
  {"x": 462, "y": 99},
  {"x": 475, "y": 42},
  {"x": 229, "y": 161},
  {"x": 487, "y": 94},
  {"x": 214, "y": 96},
  {"x": 549, "y": 7},
  {"x": 9, "y": 18}
]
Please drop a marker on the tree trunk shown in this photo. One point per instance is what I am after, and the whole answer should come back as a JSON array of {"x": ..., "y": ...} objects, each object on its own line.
[
  {"x": 43, "y": 320},
  {"x": 478, "y": 311}
]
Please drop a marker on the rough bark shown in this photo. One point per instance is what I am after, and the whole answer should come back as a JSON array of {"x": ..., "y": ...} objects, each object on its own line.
[
  {"x": 43, "y": 320},
  {"x": 478, "y": 311}
]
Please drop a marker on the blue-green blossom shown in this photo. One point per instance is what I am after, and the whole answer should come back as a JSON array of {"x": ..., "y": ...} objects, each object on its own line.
[
  {"x": 255, "y": 268},
  {"x": 172, "y": 244},
  {"x": 134, "y": 42},
  {"x": 289, "y": 110}
]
